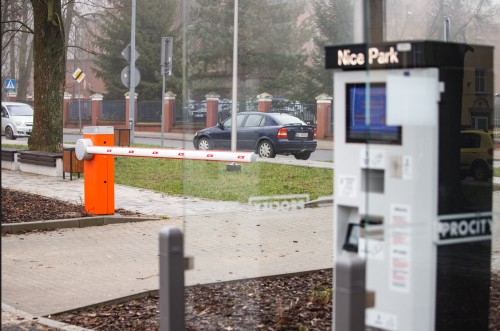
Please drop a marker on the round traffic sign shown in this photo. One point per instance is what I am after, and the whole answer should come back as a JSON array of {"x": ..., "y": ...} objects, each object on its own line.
[{"x": 125, "y": 76}]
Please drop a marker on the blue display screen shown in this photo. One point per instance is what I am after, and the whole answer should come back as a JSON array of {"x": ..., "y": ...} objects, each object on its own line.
[{"x": 368, "y": 124}]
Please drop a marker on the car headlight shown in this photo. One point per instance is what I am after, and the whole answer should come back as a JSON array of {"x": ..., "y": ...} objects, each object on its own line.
[{"x": 19, "y": 123}]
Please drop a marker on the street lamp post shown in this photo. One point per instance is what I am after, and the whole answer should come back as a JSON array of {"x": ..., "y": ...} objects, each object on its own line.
[
  {"x": 234, "y": 107},
  {"x": 132, "y": 73},
  {"x": 235, "y": 79}
]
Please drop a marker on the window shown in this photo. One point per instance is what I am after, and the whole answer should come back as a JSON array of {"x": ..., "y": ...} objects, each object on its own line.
[
  {"x": 480, "y": 122},
  {"x": 228, "y": 122},
  {"x": 470, "y": 140},
  {"x": 254, "y": 120},
  {"x": 480, "y": 79}
]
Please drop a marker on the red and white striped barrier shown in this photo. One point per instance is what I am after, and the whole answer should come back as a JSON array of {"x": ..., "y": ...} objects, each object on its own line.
[{"x": 85, "y": 150}]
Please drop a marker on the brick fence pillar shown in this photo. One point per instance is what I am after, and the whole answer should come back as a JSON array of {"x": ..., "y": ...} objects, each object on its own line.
[
  {"x": 67, "y": 99},
  {"x": 168, "y": 111},
  {"x": 127, "y": 109},
  {"x": 212, "y": 109},
  {"x": 96, "y": 101},
  {"x": 265, "y": 100},
  {"x": 323, "y": 103}
]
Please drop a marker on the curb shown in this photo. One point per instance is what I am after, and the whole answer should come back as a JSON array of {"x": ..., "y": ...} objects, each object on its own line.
[
  {"x": 116, "y": 301},
  {"x": 22, "y": 316},
  {"x": 321, "y": 202},
  {"x": 81, "y": 222}
]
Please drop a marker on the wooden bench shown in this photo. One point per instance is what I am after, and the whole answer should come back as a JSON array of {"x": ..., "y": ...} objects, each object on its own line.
[
  {"x": 43, "y": 163},
  {"x": 39, "y": 158},
  {"x": 9, "y": 159},
  {"x": 9, "y": 154}
]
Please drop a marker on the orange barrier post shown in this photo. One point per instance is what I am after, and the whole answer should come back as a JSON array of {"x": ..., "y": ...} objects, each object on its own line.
[{"x": 99, "y": 173}]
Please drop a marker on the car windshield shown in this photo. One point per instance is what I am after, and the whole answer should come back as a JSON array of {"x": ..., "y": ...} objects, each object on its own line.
[
  {"x": 20, "y": 110},
  {"x": 285, "y": 119}
]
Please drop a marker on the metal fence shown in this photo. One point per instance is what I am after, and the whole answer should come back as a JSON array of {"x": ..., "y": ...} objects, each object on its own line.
[
  {"x": 113, "y": 111},
  {"x": 80, "y": 110},
  {"x": 306, "y": 112},
  {"x": 149, "y": 111}
]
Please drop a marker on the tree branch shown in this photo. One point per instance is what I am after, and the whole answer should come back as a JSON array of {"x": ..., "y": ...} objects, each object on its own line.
[
  {"x": 8, "y": 42},
  {"x": 83, "y": 49},
  {"x": 19, "y": 22}
]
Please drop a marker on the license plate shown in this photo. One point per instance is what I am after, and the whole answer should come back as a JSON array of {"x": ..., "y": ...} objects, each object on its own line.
[{"x": 301, "y": 134}]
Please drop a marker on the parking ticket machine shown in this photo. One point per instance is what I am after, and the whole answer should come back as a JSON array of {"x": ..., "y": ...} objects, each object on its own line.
[{"x": 402, "y": 204}]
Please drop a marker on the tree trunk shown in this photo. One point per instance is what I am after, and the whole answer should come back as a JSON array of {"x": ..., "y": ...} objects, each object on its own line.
[{"x": 49, "y": 76}]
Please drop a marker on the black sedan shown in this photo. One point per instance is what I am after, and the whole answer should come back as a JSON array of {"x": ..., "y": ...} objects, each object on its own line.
[{"x": 267, "y": 134}]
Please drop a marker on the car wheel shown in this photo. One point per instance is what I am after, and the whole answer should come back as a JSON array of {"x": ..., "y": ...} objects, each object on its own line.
[
  {"x": 266, "y": 149},
  {"x": 302, "y": 156},
  {"x": 204, "y": 144},
  {"x": 480, "y": 172},
  {"x": 9, "y": 134}
]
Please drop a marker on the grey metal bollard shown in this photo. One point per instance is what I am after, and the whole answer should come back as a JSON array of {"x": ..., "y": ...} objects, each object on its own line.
[
  {"x": 171, "y": 279},
  {"x": 350, "y": 292}
]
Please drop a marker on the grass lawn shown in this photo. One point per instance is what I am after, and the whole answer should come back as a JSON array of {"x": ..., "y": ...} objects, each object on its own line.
[{"x": 211, "y": 180}]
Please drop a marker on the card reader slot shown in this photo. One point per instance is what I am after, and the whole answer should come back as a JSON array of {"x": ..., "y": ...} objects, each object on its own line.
[{"x": 372, "y": 227}]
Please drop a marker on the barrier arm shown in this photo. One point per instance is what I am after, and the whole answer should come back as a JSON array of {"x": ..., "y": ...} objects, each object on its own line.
[{"x": 85, "y": 150}]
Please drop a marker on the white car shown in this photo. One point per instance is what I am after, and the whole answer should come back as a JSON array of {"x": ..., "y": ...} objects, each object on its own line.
[{"x": 17, "y": 119}]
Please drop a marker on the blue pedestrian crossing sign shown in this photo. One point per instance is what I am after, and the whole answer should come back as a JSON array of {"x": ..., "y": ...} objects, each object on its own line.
[{"x": 10, "y": 84}]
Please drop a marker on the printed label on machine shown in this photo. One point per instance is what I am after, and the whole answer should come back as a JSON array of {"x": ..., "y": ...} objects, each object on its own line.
[
  {"x": 464, "y": 228},
  {"x": 347, "y": 186},
  {"x": 407, "y": 167},
  {"x": 399, "y": 248},
  {"x": 401, "y": 167},
  {"x": 372, "y": 158}
]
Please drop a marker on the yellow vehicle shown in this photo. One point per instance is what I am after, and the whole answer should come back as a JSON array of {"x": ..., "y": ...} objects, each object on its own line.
[{"x": 476, "y": 154}]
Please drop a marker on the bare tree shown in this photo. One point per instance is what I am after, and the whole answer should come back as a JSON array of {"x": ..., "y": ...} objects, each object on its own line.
[
  {"x": 16, "y": 28},
  {"x": 49, "y": 76},
  {"x": 34, "y": 40},
  {"x": 25, "y": 55},
  {"x": 470, "y": 20}
]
